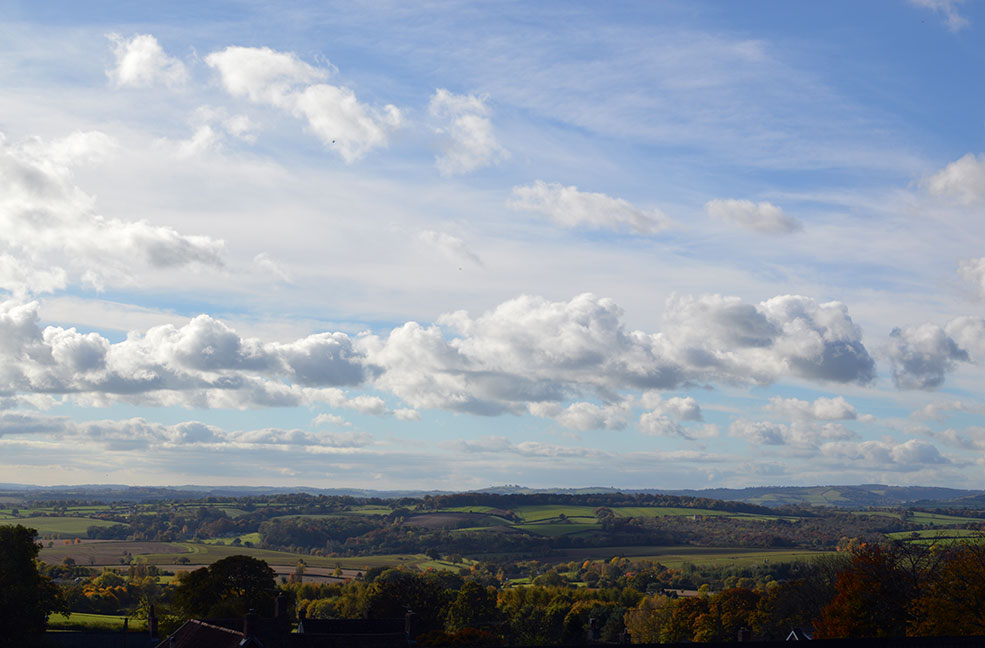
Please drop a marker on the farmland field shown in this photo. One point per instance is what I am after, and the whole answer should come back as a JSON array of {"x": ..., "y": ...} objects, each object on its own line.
[
  {"x": 920, "y": 517},
  {"x": 166, "y": 554},
  {"x": 68, "y": 527},
  {"x": 94, "y": 622},
  {"x": 557, "y": 529},
  {"x": 676, "y": 556}
]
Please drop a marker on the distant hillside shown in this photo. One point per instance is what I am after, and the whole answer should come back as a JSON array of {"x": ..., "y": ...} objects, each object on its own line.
[
  {"x": 861, "y": 496},
  {"x": 844, "y": 496}
]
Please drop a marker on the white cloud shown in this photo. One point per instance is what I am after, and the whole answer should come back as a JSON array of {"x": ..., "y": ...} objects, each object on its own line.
[
  {"x": 937, "y": 411},
  {"x": 923, "y": 355},
  {"x": 271, "y": 267},
  {"x": 532, "y": 351},
  {"x": 141, "y": 62},
  {"x": 282, "y": 80},
  {"x": 584, "y": 416},
  {"x": 502, "y": 445},
  {"x": 971, "y": 438},
  {"x": 823, "y": 409},
  {"x": 657, "y": 424},
  {"x": 961, "y": 181},
  {"x": 404, "y": 414},
  {"x": 722, "y": 338},
  {"x": 948, "y": 10},
  {"x": 450, "y": 246},
  {"x": 201, "y": 364},
  {"x": 973, "y": 271},
  {"x": 52, "y": 229},
  {"x": 469, "y": 141},
  {"x": 140, "y": 434},
  {"x": 802, "y": 434},
  {"x": 681, "y": 408},
  {"x": 570, "y": 207},
  {"x": 885, "y": 455},
  {"x": 330, "y": 419},
  {"x": 761, "y": 217}
]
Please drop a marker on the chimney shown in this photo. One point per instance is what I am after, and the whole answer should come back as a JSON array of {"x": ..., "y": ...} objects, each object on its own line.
[
  {"x": 250, "y": 624},
  {"x": 152, "y": 624},
  {"x": 410, "y": 625},
  {"x": 594, "y": 633},
  {"x": 281, "y": 617}
]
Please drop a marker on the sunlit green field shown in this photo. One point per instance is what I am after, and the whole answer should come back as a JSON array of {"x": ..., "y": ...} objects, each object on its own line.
[
  {"x": 77, "y": 620},
  {"x": 253, "y": 538},
  {"x": 919, "y": 517},
  {"x": 68, "y": 527},
  {"x": 676, "y": 556}
]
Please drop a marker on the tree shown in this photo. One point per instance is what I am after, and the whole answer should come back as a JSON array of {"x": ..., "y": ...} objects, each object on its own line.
[
  {"x": 26, "y": 597},
  {"x": 474, "y": 606},
  {"x": 228, "y": 587},
  {"x": 647, "y": 621},
  {"x": 874, "y": 595},
  {"x": 953, "y": 603}
]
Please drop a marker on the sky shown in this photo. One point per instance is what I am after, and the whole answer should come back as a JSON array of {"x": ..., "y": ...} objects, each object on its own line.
[{"x": 451, "y": 245}]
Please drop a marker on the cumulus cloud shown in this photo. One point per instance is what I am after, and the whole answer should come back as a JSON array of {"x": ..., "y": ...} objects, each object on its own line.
[
  {"x": 531, "y": 350},
  {"x": 937, "y": 411},
  {"x": 201, "y": 364},
  {"x": 761, "y": 217},
  {"x": 583, "y": 416},
  {"x": 213, "y": 128},
  {"x": 568, "y": 360},
  {"x": 961, "y": 181},
  {"x": 884, "y": 455},
  {"x": 681, "y": 408},
  {"x": 469, "y": 141},
  {"x": 725, "y": 339},
  {"x": 948, "y": 10},
  {"x": 141, "y": 434},
  {"x": 971, "y": 438},
  {"x": 823, "y": 409},
  {"x": 570, "y": 207},
  {"x": 141, "y": 62},
  {"x": 450, "y": 246},
  {"x": 657, "y": 424},
  {"x": 52, "y": 233},
  {"x": 281, "y": 79},
  {"x": 923, "y": 355},
  {"x": 799, "y": 433},
  {"x": 405, "y": 414},
  {"x": 330, "y": 419}
]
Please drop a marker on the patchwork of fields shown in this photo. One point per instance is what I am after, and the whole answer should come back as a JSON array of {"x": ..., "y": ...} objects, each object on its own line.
[{"x": 62, "y": 528}]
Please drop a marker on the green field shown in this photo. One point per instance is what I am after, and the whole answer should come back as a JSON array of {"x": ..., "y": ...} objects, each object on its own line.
[
  {"x": 81, "y": 620},
  {"x": 928, "y": 519},
  {"x": 253, "y": 538},
  {"x": 67, "y": 527},
  {"x": 539, "y": 512},
  {"x": 557, "y": 529},
  {"x": 676, "y": 556}
]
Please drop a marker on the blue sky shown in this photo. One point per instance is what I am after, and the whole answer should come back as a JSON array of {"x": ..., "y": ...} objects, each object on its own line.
[{"x": 450, "y": 245}]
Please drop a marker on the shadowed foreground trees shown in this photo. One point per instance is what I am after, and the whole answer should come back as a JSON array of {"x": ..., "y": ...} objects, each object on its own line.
[
  {"x": 227, "y": 588},
  {"x": 26, "y": 597},
  {"x": 908, "y": 589}
]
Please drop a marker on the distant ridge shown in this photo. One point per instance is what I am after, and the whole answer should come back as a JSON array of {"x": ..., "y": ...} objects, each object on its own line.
[{"x": 860, "y": 496}]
